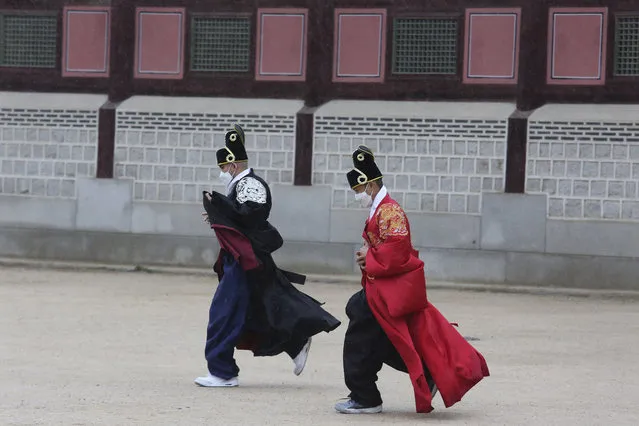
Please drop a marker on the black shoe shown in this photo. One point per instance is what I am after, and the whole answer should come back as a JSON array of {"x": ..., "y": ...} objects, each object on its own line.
[{"x": 352, "y": 407}]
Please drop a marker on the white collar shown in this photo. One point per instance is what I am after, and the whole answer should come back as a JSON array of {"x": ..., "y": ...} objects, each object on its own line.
[
  {"x": 239, "y": 176},
  {"x": 378, "y": 199}
]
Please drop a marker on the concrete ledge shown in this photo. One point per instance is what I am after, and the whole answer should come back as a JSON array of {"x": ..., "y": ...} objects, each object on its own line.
[
  {"x": 104, "y": 204},
  {"x": 346, "y": 226},
  {"x": 37, "y": 212},
  {"x": 324, "y": 258},
  {"x": 569, "y": 271},
  {"x": 595, "y": 238},
  {"x": 51, "y": 100},
  {"x": 599, "y": 113},
  {"x": 514, "y": 222},
  {"x": 299, "y": 212},
  {"x": 464, "y": 265},
  {"x": 450, "y": 265},
  {"x": 430, "y": 109},
  {"x": 211, "y": 105},
  {"x": 108, "y": 247},
  {"x": 169, "y": 219},
  {"x": 445, "y": 230}
]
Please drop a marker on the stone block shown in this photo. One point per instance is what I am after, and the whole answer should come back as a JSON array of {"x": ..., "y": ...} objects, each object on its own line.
[
  {"x": 444, "y": 265},
  {"x": 574, "y": 208},
  {"x": 104, "y": 204},
  {"x": 417, "y": 182},
  {"x": 611, "y": 209},
  {"x": 302, "y": 213},
  {"x": 346, "y": 226},
  {"x": 472, "y": 204},
  {"x": 441, "y": 203},
  {"x": 544, "y": 150},
  {"x": 411, "y": 165},
  {"x": 169, "y": 218},
  {"x": 622, "y": 170},
  {"x": 620, "y": 152},
  {"x": 447, "y": 148},
  {"x": 320, "y": 258},
  {"x": 194, "y": 157},
  {"x": 166, "y": 156},
  {"x": 411, "y": 202},
  {"x": 446, "y": 184},
  {"x": 596, "y": 272},
  {"x": 38, "y": 187},
  {"x": 400, "y": 146},
  {"x": 272, "y": 176},
  {"x": 25, "y": 211},
  {"x": 428, "y": 202},
  {"x": 185, "y": 140},
  {"x": 597, "y": 238},
  {"x": 630, "y": 210},
  {"x": 455, "y": 166},
  {"x": 607, "y": 170},
  {"x": 457, "y": 204},
  {"x": 597, "y": 189},
  {"x": 592, "y": 209},
  {"x": 514, "y": 222},
  {"x": 275, "y": 142},
  {"x": 199, "y": 140},
  {"x": 586, "y": 151}
]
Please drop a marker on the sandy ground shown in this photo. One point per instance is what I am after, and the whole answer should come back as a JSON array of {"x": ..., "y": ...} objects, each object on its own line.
[{"x": 108, "y": 348}]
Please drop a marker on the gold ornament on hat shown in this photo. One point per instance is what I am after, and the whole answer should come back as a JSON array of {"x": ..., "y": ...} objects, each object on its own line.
[
  {"x": 362, "y": 178},
  {"x": 230, "y": 157},
  {"x": 365, "y": 150}
]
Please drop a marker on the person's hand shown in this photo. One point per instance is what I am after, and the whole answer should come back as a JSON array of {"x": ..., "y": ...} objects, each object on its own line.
[
  {"x": 360, "y": 256},
  {"x": 206, "y": 218},
  {"x": 208, "y": 196}
]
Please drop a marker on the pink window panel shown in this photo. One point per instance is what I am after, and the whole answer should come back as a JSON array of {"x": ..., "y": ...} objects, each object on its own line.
[
  {"x": 491, "y": 46},
  {"x": 360, "y": 45},
  {"x": 159, "y": 43},
  {"x": 281, "y": 44},
  {"x": 85, "y": 41},
  {"x": 577, "y": 46}
]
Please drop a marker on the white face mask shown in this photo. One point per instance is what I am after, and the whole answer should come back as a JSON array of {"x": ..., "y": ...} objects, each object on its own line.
[
  {"x": 364, "y": 198},
  {"x": 225, "y": 178}
]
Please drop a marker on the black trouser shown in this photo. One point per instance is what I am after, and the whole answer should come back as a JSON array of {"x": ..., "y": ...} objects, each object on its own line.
[{"x": 366, "y": 349}]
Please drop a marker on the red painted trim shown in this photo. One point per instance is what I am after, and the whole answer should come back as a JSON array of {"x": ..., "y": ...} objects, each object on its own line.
[
  {"x": 163, "y": 76},
  {"x": 467, "y": 43},
  {"x": 65, "y": 41},
  {"x": 382, "y": 58},
  {"x": 258, "y": 44},
  {"x": 603, "y": 46}
]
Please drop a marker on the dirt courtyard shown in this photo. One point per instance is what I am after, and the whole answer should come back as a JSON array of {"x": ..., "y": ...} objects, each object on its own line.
[{"x": 116, "y": 348}]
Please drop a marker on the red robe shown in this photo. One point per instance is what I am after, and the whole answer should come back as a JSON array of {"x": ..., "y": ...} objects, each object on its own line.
[{"x": 396, "y": 293}]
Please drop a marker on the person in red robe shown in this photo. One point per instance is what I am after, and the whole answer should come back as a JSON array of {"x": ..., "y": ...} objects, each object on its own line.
[{"x": 390, "y": 319}]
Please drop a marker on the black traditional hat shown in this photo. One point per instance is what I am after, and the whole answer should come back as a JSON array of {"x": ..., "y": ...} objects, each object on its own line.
[
  {"x": 233, "y": 151},
  {"x": 365, "y": 170}
]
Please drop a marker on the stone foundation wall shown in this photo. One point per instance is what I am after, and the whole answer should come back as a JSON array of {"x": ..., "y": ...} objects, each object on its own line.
[{"x": 575, "y": 226}]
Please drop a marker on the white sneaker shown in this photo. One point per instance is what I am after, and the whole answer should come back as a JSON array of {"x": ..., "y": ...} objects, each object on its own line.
[
  {"x": 212, "y": 381},
  {"x": 300, "y": 359}
]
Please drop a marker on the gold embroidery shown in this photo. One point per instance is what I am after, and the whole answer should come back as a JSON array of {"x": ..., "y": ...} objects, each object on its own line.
[
  {"x": 392, "y": 221},
  {"x": 374, "y": 239}
]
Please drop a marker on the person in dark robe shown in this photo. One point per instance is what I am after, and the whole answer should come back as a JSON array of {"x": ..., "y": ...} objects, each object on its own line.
[
  {"x": 255, "y": 306},
  {"x": 390, "y": 319}
]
